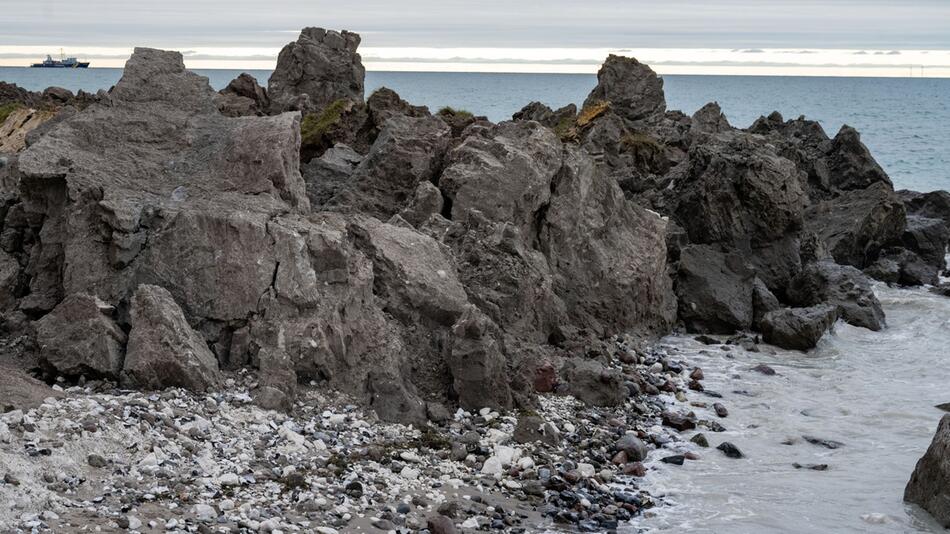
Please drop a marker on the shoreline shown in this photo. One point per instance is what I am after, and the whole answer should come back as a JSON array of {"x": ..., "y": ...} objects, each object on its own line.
[{"x": 484, "y": 299}]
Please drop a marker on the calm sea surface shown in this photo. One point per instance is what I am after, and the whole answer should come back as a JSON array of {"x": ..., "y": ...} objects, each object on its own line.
[{"x": 905, "y": 121}]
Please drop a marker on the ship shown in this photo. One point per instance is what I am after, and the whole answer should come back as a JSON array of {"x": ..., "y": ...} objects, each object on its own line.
[{"x": 62, "y": 63}]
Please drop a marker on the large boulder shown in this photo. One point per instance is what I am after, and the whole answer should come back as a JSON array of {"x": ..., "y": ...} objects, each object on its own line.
[
  {"x": 81, "y": 337},
  {"x": 631, "y": 89},
  {"x": 798, "y": 328},
  {"x": 414, "y": 275},
  {"x": 592, "y": 383},
  {"x": 163, "y": 350},
  {"x": 319, "y": 68},
  {"x": 856, "y": 225},
  {"x": 929, "y": 486},
  {"x": 839, "y": 285},
  {"x": 715, "y": 290}
]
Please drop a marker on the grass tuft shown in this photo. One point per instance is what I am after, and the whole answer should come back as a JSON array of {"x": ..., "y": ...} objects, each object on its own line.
[
  {"x": 458, "y": 113},
  {"x": 315, "y": 125},
  {"x": 7, "y": 109}
]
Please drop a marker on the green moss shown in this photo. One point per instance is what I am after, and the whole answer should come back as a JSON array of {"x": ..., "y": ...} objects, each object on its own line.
[
  {"x": 315, "y": 125},
  {"x": 591, "y": 112},
  {"x": 7, "y": 109},
  {"x": 452, "y": 112}
]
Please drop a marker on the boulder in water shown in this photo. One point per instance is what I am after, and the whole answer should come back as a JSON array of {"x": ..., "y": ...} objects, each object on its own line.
[
  {"x": 929, "y": 486},
  {"x": 798, "y": 328},
  {"x": 842, "y": 286}
]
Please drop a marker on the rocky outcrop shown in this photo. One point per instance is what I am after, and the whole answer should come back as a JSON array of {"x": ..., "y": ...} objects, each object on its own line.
[
  {"x": 929, "y": 486},
  {"x": 842, "y": 286},
  {"x": 477, "y": 363},
  {"x": 798, "y": 328},
  {"x": 81, "y": 337},
  {"x": 631, "y": 89},
  {"x": 319, "y": 68}
]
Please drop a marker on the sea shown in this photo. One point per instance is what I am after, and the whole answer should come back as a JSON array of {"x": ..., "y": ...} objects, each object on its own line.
[
  {"x": 872, "y": 395},
  {"x": 904, "y": 121}
]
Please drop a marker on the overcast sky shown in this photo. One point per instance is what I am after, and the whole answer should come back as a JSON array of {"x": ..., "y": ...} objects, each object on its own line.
[{"x": 263, "y": 25}]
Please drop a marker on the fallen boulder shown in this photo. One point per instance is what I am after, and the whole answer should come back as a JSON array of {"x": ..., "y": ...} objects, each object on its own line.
[
  {"x": 842, "y": 286},
  {"x": 592, "y": 383},
  {"x": 163, "y": 350},
  {"x": 798, "y": 328},
  {"x": 81, "y": 337},
  {"x": 714, "y": 290}
]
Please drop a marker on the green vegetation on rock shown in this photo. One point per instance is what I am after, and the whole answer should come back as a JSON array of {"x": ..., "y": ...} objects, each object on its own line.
[
  {"x": 452, "y": 112},
  {"x": 315, "y": 125},
  {"x": 7, "y": 109}
]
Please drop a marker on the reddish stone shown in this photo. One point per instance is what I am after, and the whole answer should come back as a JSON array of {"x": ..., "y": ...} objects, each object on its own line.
[
  {"x": 545, "y": 378},
  {"x": 636, "y": 469}
]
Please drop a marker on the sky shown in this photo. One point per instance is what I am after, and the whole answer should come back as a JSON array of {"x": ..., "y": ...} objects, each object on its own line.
[{"x": 829, "y": 37}]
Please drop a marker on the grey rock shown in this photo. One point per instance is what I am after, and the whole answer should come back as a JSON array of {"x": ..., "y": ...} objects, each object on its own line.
[
  {"x": 320, "y": 67},
  {"x": 243, "y": 96},
  {"x": 856, "y": 225},
  {"x": 163, "y": 350},
  {"x": 842, "y": 286},
  {"x": 633, "y": 446},
  {"x": 592, "y": 383},
  {"x": 426, "y": 202},
  {"x": 851, "y": 165},
  {"x": 477, "y": 362},
  {"x": 714, "y": 290},
  {"x": 631, "y": 88},
  {"x": 407, "y": 152},
  {"x": 329, "y": 174},
  {"x": 798, "y": 328},
  {"x": 80, "y": 336}
]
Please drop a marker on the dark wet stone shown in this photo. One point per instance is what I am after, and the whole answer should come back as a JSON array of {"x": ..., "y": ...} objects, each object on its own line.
[
  {"x": 697, "y": 374},
  {"x": 677, "y": 459},
  {"x": 721, "y": 410},
  {"x": 813, "y": 467},
  {"x": 827, "y": 443},
  {"x": 707, "y": 340},
  {"x": 764, "y": 369},
  {"x": 679, "y": 421},
  {"x": 700, "y": 439},
  {"x": 945, "y": 406},
  {"x": 96, "y": 461},
  {"x": 730, "y": 450}
]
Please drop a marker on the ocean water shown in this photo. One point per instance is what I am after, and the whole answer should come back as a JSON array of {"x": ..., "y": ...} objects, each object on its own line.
[
  {"x": 904, "y": 121},
  {"x": 874, "y": 392}
]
